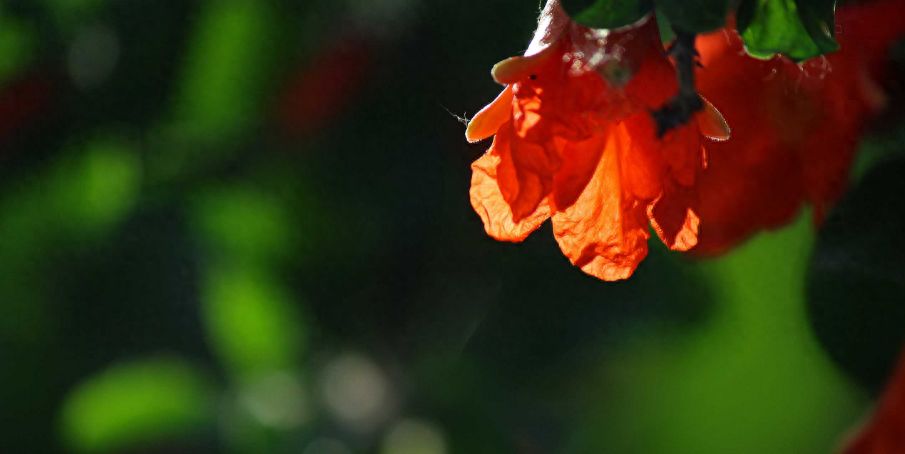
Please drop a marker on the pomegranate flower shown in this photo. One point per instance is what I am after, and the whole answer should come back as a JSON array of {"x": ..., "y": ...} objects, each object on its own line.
[
  {"x": 574, "y": 141},
  {"x": 795, "y": 127}
]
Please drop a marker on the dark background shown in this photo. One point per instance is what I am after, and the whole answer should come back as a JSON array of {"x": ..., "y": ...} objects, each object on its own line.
[{"x": 243, "y": 226}]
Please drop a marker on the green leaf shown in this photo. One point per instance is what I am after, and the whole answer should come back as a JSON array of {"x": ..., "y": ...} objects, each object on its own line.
[
  {"x": 695, "y": 16},
  {"x": 667, "y": 34},
  {"x": 229, "y": 59},
  {"x": 798, "y": 29},
  {"x": 136, "y": 403},
  {"x": 607, "y": 13}
]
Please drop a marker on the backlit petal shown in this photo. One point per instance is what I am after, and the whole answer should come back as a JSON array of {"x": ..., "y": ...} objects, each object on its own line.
[
  {"x": 604, "y": 232},
  {"x": 516, "y": 69},
  {"x": 643, "y": 168},
  {"x": 486, "y": 122},
  {"x": 489, "y": 172},
  {"x": 534, "y": 168},
  {"x": 580, "y": 161},
  {"x": 680, "y": 148}
]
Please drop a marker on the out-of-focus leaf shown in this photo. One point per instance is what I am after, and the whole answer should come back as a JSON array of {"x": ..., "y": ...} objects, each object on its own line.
[
  {"x": 82, "y": 193},
  {"x": 856, "y": 286},
  {"x": 695, "y": 16},
  {"x": 71, "y": 13},
  {"x": 243, "y": 223},
  {"x": 798, "y": 29},
  {"x": 136, "y": 403},
  {"x": 80, "y": 197},
  {"x": 755, "y": 359},
  {"x": 102, "y": 188},
  {"x": 607, "y": 13},
  {"x": 229, "y": 58},
  {"x": 16, "y": 46},
  {"x": 250, "y": 320}
]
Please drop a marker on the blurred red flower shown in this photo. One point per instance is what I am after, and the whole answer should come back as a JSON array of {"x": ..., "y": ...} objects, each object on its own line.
[
  {"x": 575, "y": 142},
  {"x": 795, "y": 127},
  {"x": 884, "y": 433}
]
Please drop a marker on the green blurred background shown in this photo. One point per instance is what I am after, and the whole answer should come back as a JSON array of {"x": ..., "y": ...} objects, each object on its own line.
[{"x": 243, "y": 226}]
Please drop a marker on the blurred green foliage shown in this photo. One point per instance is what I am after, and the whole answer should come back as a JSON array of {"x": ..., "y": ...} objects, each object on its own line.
[
  {"x": 753, "y": 372},
  {"x": 253, "y": 327},
  {"x": 136, "y": 403},
  {"x": 16, "y": 45}
]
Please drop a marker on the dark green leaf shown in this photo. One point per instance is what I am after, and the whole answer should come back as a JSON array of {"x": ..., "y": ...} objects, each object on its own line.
[
  {"x": 695, "y": 16},
  {"x": 856, "y": 282},
  {"x": 607, "y": 13},
  {"x": 798, "y": 29},
  {"x": 666, "y": 32}
]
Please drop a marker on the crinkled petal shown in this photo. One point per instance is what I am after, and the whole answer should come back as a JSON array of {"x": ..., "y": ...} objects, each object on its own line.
[
  {"x": 489, "y": 119},
  {"x": 487, "y": 197},
  {"x": 643, "y": 168},
  {"x": 679, "y": 148},
  {"x": 654, "y": 81},
  {"x": 580, "y": 161},
  {"x": 674, "y": 219},
  {"x": 534, "y": 168},
  {"x": 604, "y": 232}
]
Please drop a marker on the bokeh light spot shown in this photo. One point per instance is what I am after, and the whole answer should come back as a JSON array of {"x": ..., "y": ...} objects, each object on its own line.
[
  {"x": 327, "y": 446},
  {"x": 277, "y": 400},
  {"x": 357, "y": 392},
  {"x": 92, "y": 56},
  {"x": 414, "y": 436}
]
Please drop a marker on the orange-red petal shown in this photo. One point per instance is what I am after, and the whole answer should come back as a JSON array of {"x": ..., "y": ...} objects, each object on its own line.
[
  {"x": 534, "y": 167},
  {"x": 674, "y": 219},
  {"x": 679, "y": 148},
  {"x": 489, "y": 119},
  {"x": 579, "y": 164},
  {"x": 604, "y": 232},
  {"x": 516, "y": 69},
  {"x": 489, "y": 173},
  {"x": 643, "y": 167}
]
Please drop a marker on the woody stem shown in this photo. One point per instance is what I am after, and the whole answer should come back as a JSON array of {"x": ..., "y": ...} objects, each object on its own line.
[{"x": 687, "y": 101}]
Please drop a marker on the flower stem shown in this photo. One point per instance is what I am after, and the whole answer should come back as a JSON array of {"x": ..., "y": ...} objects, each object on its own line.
[{"x": 687, "y": 101}]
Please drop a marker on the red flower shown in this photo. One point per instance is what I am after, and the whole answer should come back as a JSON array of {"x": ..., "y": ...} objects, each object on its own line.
[
  {"x": 795, "y": 128},
  {"x": 885, "y": 432},
  {"x": 575, "y": 142}
]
